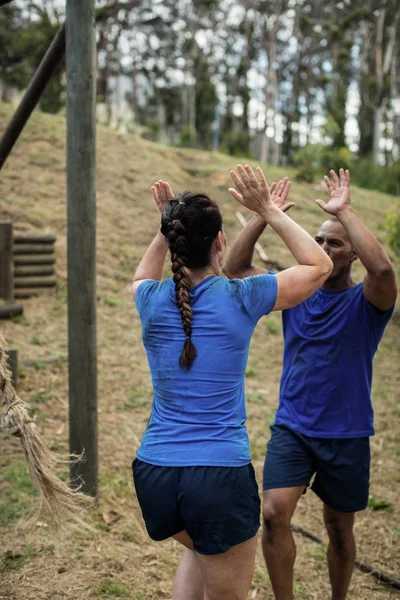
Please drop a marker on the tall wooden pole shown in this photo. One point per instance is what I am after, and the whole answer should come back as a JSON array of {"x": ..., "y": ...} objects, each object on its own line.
[{"x": 81, "y": 212}]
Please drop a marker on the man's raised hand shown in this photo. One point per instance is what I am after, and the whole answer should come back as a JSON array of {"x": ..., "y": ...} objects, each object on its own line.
[
  {"x": 339, "y": 190},
  {"x": 279, "y": 193}
]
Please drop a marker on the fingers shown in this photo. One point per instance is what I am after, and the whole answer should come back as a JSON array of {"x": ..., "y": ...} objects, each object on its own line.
[
  {"x": 282, "y": 186},
  {"x": 261, "y": 177},
  {"x": 347, "y": 177},
  {"x": 286, "y": 190},
  {"x": 251, "y": 176},
  {"x": 321, "y": 204},
  {"x": 238, "y": 182},
  {"x": 335, "y": 178},
  {"x": 329, "y": 184},
  {"x": 272, "y": 188},
  {"x": 243, "y": 175},
  {"x": 238, "y": 197},
  {"x": 168, "y": 191},
  {"x": 287, "y": 206},
  {"x": 154, "y": 193}
]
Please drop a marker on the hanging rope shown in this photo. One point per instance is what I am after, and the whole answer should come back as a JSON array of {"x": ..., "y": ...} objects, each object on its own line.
[{"x": 58, "y": 502}]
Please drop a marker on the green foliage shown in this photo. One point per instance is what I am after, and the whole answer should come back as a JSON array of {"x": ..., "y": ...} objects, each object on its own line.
[
  {"x": 15, "y": 497},
  {"x": 393, "y": 227},
  {"x": 109, "y": 588},
  {"x": 187, "y": 137},
  {"x": 23, "y": 43},
  {"x": 272, "y": 326},
  {"x": 236, "y": 143},
  {"x": 367, "y": 174},
  {"x": 379, "y": 504},
  {"x": 12, "y": 561},
  {"x": 153, "y": 130},
  {"x": 340, "y": 158},
  {"x": 308, "y": 162},
  {"x": 315, "y": 160},
  {"x": 43, "y": 396}
]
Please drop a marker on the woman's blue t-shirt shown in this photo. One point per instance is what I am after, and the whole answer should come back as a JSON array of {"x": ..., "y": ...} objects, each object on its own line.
[{"x": 198, "y": 415}]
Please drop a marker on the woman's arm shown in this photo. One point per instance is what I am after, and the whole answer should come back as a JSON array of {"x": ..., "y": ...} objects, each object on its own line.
[
  {"x": 297, "y": 283},
  {"x": 152, "y": 264},
  {"x": 239, "y": 262}
]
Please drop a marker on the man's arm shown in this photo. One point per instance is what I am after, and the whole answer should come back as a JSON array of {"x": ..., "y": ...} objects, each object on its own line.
[
  {"x": 239, "y": 261},
  {"x": 380, "y": 282},
  {"x": 152, "y": 264},
  {"x": 314, "y": 265}
]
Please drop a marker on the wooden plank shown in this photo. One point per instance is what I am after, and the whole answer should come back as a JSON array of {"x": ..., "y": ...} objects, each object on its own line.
[
  {"x": 258, "y": 248},
  {"x": 28, "y": 292},
  {"x": 33, "y": 249},
  {"x": 33, "y": 270},
  {"x": 81, "y": 236},
  {"x": 9, "y": 310},
  {"x": 35, "y": 238},
  {"x": 6, "y": 271},
  {"x": 24, "y": 282},
  {"x": 34, "y": 259}
]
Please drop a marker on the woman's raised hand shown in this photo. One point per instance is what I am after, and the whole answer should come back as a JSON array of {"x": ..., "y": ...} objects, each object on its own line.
[
  {"x": 162, "y": 194},
  {"x": 251, "y": 192}
]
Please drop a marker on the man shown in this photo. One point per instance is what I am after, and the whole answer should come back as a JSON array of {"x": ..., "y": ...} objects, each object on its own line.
[{"x": 325, "y": 416}]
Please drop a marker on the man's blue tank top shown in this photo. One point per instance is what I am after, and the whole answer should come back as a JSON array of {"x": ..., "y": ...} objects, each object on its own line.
[
  {"x": 330, "y": 342},
  {"x": 198, "y": 415}
]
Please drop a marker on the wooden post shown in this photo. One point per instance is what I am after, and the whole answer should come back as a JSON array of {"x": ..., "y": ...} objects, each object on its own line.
[
  {"x": 6, "y": 269},
  {"x": 81, "y": 237},
  {"x": 12, "y": 363}
]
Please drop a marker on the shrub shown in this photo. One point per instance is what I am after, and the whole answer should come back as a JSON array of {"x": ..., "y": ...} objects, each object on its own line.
[{"x": 393, "y": 227}]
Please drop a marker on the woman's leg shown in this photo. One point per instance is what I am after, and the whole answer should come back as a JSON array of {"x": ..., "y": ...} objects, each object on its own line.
[
  {"x": 188, "y": 584},
  {"x": 228, "y": 576}
]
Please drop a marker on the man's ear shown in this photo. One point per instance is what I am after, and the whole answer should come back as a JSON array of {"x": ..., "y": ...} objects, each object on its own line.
[{"x": 353, "y": 256}]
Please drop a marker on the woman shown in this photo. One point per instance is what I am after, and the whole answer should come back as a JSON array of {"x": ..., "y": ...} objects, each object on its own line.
[{"x": 193, "y": 473}]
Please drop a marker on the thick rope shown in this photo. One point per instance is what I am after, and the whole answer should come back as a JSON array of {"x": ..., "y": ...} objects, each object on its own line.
[{"x": 58, "y": 502}]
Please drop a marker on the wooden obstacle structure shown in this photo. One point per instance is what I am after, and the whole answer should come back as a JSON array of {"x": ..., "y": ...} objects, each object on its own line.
[
  {"x": 26, "y": 266},
  {"x": 34, "y": 259},
  {"x": 8, "y": 308}
]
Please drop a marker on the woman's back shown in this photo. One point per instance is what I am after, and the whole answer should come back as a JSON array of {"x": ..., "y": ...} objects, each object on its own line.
[{"x": 198, "y": 415}]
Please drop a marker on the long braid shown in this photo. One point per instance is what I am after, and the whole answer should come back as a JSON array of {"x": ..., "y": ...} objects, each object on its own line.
[
  {"x": 190, "y": 223},
  {"x": 183, "y": 282}
]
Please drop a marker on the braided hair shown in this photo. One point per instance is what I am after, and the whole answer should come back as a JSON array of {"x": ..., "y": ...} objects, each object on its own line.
[{"x": 190, "y": 223}]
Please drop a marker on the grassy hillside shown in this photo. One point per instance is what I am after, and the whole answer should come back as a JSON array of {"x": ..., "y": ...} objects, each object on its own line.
[{"x": 118, "y": 560}]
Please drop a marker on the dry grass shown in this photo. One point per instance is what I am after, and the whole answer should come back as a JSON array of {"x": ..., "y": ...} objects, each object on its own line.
[{"x": 117, "y": 560}]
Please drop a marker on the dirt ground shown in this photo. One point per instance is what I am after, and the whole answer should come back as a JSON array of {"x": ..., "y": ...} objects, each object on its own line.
[{"x": 116, "y": 559}]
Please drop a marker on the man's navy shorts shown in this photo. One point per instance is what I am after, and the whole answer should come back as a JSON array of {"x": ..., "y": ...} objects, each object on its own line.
[
  {"x": 218, "y": 507},
  {"x": 341, "y": 467}
]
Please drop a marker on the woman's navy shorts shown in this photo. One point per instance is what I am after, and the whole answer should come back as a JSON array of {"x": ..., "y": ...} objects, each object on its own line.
[
  {"x": 218, "y": 507},
  {"x": 341, "y": 467}
]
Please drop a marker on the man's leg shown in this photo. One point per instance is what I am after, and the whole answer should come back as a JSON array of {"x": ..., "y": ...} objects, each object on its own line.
[
  {"x": 341, "y": 550},
  {"x": 188, "y": 583},
  {"x": 288, "y": 469},
  {"x": 277, "y": 542}
]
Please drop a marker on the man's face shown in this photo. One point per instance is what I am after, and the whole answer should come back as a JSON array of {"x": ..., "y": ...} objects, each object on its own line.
[{"x": 333, "y": 238}]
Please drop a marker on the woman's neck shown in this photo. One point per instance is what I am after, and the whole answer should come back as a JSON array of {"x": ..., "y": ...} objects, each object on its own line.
[{"x": 198, "y": 275}]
